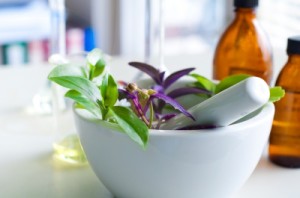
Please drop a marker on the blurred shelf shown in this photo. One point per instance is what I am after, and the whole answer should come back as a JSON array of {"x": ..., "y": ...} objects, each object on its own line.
[{"x": 24, "y": 22}]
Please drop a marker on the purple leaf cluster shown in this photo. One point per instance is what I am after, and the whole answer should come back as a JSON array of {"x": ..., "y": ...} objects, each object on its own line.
[
  {"x": 143, "y": 100},
  {"x": 162, "y": 83}
]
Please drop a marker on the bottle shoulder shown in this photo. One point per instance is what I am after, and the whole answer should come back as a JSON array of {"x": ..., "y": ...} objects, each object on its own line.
[
  {"x": 291, "y": 70},
  {"x": 289, "y": 77},
  {"x": 244, "y": 32}
]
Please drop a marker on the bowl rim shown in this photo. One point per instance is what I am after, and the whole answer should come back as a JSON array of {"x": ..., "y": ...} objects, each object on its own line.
[{"x": 267, "y": 110}]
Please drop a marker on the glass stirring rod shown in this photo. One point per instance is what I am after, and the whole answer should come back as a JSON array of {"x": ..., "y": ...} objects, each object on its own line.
[
  {"x": 57, "y": 46},
  {"x": 147, "y": 38},
  {"x": 67, "y": 147},
  {"x": 162, "y": 66}
]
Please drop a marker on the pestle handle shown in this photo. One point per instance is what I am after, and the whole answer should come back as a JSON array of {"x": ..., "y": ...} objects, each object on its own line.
[{"x": 225, "y": 107}]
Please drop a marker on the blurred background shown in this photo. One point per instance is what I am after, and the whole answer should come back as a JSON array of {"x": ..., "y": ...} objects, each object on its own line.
[{"x": 118, "y": 26}]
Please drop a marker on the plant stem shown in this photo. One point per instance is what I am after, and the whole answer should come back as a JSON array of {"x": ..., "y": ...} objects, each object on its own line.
[
  {"x": 151, "y": 116},
  {"x": 143, "y": 116}
]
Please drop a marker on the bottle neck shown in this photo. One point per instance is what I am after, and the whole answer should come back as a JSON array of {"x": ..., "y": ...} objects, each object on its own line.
[
  {"x": 294, "y": 59},
  {"x": 245, "y": 13}
]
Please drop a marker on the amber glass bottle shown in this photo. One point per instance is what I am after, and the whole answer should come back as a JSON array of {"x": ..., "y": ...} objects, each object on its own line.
[
  {"x": 244, "y": 47},
  {"x": 284, "y": 148}
]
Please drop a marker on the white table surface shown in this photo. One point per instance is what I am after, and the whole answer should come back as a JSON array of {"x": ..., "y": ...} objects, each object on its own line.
[{"x": 27, "y": 168}]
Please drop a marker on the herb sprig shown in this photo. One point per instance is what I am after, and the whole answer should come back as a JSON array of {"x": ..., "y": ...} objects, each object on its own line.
[
  {"x": 95, "y": 90},
  {"x": 100, "y": 100},
  {"x": 276, "y": 93}
]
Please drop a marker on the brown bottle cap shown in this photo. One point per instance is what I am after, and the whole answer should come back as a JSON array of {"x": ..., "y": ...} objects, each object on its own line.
[
  {"x": 293, "y": 46},
  {"x": 245, "y": 3}
]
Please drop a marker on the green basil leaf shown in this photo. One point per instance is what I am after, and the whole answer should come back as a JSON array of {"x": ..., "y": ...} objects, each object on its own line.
[
  {"x": 203, "y": 82},
  {"x": 276, "y": 93},
  {"x": 96, "y": 63},
  {"x": 109, "y": 91},
  {"x": 79, "y": 84},
  {"x": 94, "y": 56},
  {"x": 99, "y": 68},
  {"x": 135, "y": 128},
  {"x": 84, "y": 102},
  {"x": 68, "y": 70},
  {"x": 230, "y": 81}
]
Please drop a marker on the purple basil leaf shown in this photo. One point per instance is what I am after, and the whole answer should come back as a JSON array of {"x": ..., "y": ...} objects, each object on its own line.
[
  {"x": 165, "y": 116},
  {"x": 125, "y": 94},
  {"x": 148, "y": 69},
  {"x": 134, "y": 98},
  {"x": 175, "y": 76},
  {"x": 186, "y": 91},
  {"x": 160, "y": 104},
  {"x": 161, "y": 76},
  {"x": 158, "y": 88},
  {"x": 161, "y": 117},
  {"x": 122, "y": 83},
  {"x": 172, "y": 102}
]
